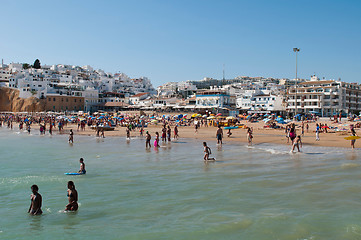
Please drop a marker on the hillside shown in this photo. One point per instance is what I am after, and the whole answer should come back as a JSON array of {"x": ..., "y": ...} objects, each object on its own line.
[{"x": 10, "y": 102}]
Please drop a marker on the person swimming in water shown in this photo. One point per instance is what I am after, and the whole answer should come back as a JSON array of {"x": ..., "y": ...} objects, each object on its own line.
[
  {"x": 72, "y": 197},
  {"x": 36, "y": 201},
  {"x": 207, "y": 151},
  {"x": 82, "y": 166}
]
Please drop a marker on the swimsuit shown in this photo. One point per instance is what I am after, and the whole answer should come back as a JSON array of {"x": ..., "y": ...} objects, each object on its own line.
[{"x": 219, "y": 136}]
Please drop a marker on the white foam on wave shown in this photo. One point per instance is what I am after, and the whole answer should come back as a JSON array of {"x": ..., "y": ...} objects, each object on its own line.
[{"x": 349, "y": 165}]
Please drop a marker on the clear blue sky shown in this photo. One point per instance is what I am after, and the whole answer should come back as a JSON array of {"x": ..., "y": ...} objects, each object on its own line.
[{"x": 188, "y": 40}]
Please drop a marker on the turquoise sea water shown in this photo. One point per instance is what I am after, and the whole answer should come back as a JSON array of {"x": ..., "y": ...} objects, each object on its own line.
[{"x": 132, "y": 193}]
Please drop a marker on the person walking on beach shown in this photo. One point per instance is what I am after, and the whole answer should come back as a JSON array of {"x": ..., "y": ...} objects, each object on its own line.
[
  {"x": 207, "y": 151},
  {"x": 317, "y": 132},
  {"x": 147, "y": 140},
  {"x": 72, "y": 197},
  {"x": 82, "y": 166},
  {"x": 249, "y": 136},
  {"x": 36, "y": 201},
  {"x": 296, "y": 143},
  {"x": 219, "y": 135},
  {"x": 195, "y": 126},
  {"x": 353, "y": 133},
  {"x": 71, "y": 136},
  {"x": 307, "y": 127},
  {"x": 128, "y": 133}
]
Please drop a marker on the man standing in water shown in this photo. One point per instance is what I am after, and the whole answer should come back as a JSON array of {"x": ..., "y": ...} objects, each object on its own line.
[
  {"x": 219, "y": 135},
  {"x": 36, "y": 201}
]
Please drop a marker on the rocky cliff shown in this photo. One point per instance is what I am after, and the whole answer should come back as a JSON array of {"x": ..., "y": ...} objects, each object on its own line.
[{"x": 10, "y": 102}]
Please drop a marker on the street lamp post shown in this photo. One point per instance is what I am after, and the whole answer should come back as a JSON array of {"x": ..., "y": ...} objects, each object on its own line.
[{"x": 296, "y": 50}]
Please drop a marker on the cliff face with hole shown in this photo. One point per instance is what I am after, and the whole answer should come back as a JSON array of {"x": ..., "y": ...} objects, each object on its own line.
[{"x": 10, "y": 102}]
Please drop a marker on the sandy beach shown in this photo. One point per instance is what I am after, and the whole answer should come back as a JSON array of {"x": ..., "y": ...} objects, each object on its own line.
[{"x": 261, "y": 134}]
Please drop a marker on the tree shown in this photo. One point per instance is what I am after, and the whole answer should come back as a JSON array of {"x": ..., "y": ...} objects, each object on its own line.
[
  {"x": 37, "y": 64},
  {"x": 26, "y": 65}
]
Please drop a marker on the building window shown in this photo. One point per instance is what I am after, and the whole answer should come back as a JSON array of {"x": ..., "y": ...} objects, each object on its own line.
[
  {"x": 49, "y": 99},
  {"x": 74, "y": 100},
  {"x": 54, "y": 99}
]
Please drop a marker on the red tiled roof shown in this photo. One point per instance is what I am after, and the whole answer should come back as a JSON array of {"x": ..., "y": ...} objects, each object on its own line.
[{"x": 139, "y": 95}]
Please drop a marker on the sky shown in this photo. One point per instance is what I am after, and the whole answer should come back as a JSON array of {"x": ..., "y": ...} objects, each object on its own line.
[{"x": 168, "y": 40}]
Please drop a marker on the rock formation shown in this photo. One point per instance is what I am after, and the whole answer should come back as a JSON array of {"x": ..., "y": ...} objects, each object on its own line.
[{"x": 11, "y": 102}]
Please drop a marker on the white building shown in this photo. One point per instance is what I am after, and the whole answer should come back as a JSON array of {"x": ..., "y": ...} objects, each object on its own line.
[
  {"x": 267, "y": 102},
  {"x": 137, "y": 98},
  {"x": 5, "y": 76},
  {"x": 327, "y": 97},
  {"x": 212, "y": 99}
]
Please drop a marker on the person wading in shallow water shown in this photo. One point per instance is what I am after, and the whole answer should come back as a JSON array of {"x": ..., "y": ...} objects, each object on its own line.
[
  {"x": 147, "y": 140},
  {"x": 71, "y": 136},
  {"x": 219, "y": 135},
  {"x": 36, "y": 201},
  {"x": 72, "y": 197}
]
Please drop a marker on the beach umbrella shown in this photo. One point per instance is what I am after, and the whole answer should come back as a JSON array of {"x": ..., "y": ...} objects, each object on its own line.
[
  {"x": 194, "y": 115},
  {"x": 325, "y": 127},
  {"x": 219, "y": 114},
  {"x": 211, "y": 117},
  {"x": 204, "y": 116},
  {"x": 230, "y": 118}
]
